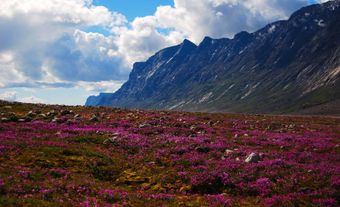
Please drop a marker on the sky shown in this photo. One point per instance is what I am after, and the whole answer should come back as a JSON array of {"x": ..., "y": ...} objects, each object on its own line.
[{"x": 62, "y": 51}]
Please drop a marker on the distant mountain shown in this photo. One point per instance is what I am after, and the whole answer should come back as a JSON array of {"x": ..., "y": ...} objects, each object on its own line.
[{"x": 288, "y": 66}]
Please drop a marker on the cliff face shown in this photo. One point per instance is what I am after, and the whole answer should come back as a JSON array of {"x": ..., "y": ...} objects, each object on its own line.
[{"x": 288, "y": 66}]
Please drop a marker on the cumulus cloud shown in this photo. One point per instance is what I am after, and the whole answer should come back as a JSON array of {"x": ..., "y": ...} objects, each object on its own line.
[
  {"x": 13, "y": 96},
  {"x": 8, "y": 96},
  {"x": 101, "y": 86},
  {"x": 141, "y": 38},
  {"x": 41, "y": 41},
  {"x": 45, "y": 43},
  {"x": 30, "y": 99},
  {"x": 223, "y": 18}
]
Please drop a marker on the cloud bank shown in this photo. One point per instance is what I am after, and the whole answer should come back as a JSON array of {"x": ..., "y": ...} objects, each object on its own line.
[{"x": 49, "y": 43}]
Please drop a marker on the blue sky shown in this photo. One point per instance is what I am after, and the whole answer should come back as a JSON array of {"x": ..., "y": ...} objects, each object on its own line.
[
  {"x": 62, "y": 51},
  {"x": 133, "y": 8}
]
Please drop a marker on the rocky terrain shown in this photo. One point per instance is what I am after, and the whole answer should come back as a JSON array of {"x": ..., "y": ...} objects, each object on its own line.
[
  {"x": 290, "y": 66},
  {"x": 85, "y": 156}
]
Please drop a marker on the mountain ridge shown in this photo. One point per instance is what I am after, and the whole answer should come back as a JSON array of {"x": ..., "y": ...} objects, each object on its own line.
[{"x": 285, "y": 67}]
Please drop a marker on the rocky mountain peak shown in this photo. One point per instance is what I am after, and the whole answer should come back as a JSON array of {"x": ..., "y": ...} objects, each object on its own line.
[{"x": 287, "y": 66}]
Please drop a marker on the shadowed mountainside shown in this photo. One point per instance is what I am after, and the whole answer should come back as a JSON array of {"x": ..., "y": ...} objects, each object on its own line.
[{"x": 288, "y": 66}]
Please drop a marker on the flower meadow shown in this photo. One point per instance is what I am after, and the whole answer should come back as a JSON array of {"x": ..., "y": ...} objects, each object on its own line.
[{"x": 83, "y": 156}]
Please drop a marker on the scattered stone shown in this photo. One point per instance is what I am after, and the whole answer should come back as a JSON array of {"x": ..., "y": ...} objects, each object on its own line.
[
  {"x": 21, "y": 120},
  {"x": 70, "y": 121},
  {"x": 13, "y": 117},
  {"x": 228, "y": 151},
  {"x": 144, "y": 125},
  {"x": 66, "y": 112},
  {"x": 51, "y": 113},
  {"x": 43, "y": 116},
  {"x": 31, "y": 114},
  {"x": 201, "y": 132},
  {"x": 77, "y": 116},
  {"x": 94, "y": 118},
  {"x": 8, "y": 107},
  {"x": 57, "y": 120},
  {"x": 28, "y": 119},
  {"x": 100, "y": 132},
  {"x": 253, "y": 158},
  {"x": 202, "y": 149},
  {"x": 5, "y": 120},
  {"x": 112, "y": 140},
  {"x": 305, "y": 190}
]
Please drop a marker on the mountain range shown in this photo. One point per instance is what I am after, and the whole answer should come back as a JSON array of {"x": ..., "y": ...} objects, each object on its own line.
[{"x": 289, "y": 66}]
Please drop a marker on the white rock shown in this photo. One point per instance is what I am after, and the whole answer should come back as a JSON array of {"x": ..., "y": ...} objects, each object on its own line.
[{"x": 253, "y": 158}]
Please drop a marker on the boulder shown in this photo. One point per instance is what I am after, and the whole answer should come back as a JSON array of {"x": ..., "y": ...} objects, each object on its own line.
[
  {"x": 94, "y": 118},
  {"x": 51, "y": 113},
  {"x": 57, "y": 120},
  {"x": 66, "y": 112},
  {"x": 31, "y": 114},
  {"x": 253, "y": 158},
  {"x": 77, "y": 116},
  {"x": 5, "y": 120}
]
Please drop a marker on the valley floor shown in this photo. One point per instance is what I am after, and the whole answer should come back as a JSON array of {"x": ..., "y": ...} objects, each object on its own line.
[{"x": 83, "y": 156}]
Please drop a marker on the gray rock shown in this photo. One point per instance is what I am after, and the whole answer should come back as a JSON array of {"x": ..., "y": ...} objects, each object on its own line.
[
  {"x": 43, "y": 116},
  {"x": 112, "y": 140},
  {"x": 66, "y": 112},
  {"x": 253, "y": 158},
  {"x": 144, "y": 125},
  {"x": 94, "y": 118},
  {"x": 57, "y": 120},
  {"x": 31, "y": 114},
  {"x": 5, "y": 120},
  {"x": 13, "y": 117},
  {"x": 51, "y": 113},
  {"x": 28, "y": 119}
]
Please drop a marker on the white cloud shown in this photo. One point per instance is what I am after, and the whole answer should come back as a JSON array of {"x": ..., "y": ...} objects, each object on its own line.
[
  {"x": 43, "y": 42},
  {"x": 13, "y": 96},
  {"x": 142, "y": 39},
  {"x": 8, "y": 96},
  {"x": 223, "y": 18},
  {"x": 101, "y": 86},
  {"x": 30, "y": 99}
]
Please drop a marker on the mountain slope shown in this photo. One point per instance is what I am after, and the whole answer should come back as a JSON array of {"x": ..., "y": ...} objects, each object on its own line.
[{"x": 288, "y": 66}]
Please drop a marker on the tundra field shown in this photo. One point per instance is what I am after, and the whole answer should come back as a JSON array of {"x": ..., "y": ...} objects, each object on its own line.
[{"x": 84, "y": 156}]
